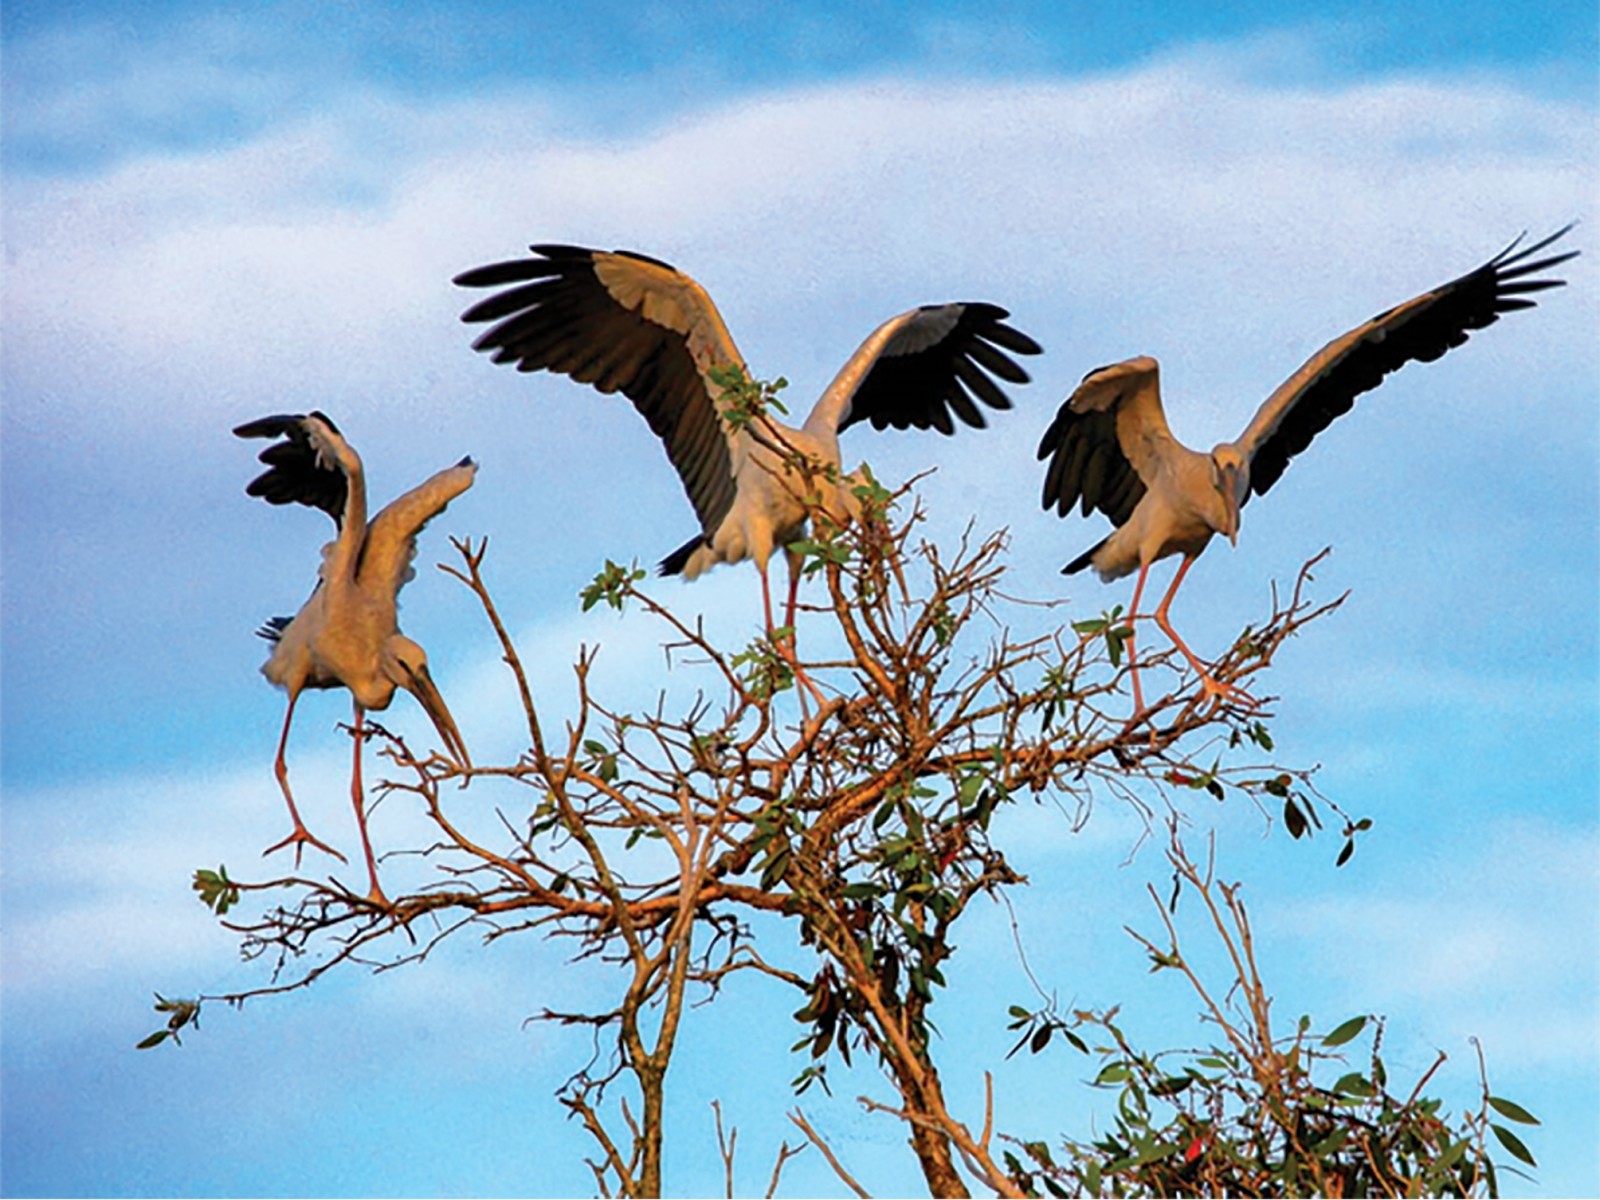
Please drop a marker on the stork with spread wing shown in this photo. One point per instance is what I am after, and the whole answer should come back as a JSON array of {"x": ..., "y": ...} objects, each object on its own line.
[
  {"x": 1109, "y": 447},
  {"x": 347, "y": 634},
  {"x": 621, "y": 321}
]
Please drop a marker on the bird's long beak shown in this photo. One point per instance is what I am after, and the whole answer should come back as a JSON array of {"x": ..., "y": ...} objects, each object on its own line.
[
  {"x": 421, "y": 686},
  {"x": 1231, "y": 504}
]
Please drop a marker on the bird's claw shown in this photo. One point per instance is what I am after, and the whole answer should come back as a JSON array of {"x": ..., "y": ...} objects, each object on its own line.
[
  {"x": 1226, "y": 693},
  {"x": 300, "y": 839}
]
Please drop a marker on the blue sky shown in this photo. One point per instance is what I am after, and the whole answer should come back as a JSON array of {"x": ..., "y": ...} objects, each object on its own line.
[{"x": 213, "y": 213}]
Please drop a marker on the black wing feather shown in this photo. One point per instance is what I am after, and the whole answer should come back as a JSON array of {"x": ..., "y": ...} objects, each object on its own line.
[
  {"x": 920, "y": 389},
  {"x": 294, "y": 476},
  {"x": 561, "y": 318},
  {"x": 1087, "y": 467},
  {"x": 1425, "y": 333}
]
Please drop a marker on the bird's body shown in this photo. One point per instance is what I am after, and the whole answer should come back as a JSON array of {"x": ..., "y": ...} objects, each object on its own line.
[
  {"x": 1109, "y": 447},
  {"x": 624, "y": 322},
  {"x": 347, "y": 633},
  {"x": 771, "y": 499}
]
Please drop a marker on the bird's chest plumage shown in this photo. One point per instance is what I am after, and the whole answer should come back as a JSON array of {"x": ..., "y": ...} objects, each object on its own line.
[
  {"x": 770, "y": 509},
  {"x": 1179, "y": 514},
  {"x": 338, "y": 638}
]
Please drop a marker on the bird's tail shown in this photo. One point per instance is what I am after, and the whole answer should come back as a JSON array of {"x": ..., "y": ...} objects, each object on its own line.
[
  {"x": 272, "y": 628},
  {"x": 1083, "y": 560},
  {"x": 674, "y": 563}
]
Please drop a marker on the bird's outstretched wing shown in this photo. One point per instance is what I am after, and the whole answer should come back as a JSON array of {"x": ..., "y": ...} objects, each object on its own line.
[
  {"x": 308, "y": 467},
  {"x": 623, "y": 323},
  {"x": 385, "y": 561},
  {"x": 916, "y": 369},
  {"x": 1105, "y": 441},
  {"x": 1420, "y": 330}
]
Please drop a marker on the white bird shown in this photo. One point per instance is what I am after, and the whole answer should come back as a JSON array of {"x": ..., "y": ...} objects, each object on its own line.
[
  {"x": 347, "y": 634},
  {"x": 625, "y": 322},
  {"x": 1109, "y": 446}
]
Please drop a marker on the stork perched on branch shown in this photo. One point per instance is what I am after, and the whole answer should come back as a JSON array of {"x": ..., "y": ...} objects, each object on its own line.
[
  {"x": 621, "y": 321},
  {"x": 1109, "y": 447},
  {"x": 347, "y": 634}
]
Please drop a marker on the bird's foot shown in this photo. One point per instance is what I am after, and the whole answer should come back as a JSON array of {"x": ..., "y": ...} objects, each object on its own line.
[
  {"x": 300, "y": 839},
  {"x": 783, "y": 642},
  {"x": 808, "y": 685},
  {"x": 375, "y": 898},
  {"x": 1225, "y": 693}
]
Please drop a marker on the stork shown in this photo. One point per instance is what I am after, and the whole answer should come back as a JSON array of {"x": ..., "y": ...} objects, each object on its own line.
[
  {"x": 347, "y": 634},
  {"x": 1110, "y": 449},
  {"x": 622, "y": 321}
]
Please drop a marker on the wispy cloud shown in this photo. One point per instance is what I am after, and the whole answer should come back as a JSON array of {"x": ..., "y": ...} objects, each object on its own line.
[
  {"x": 1183, "y": 207},
  {"x": 1468, "y": 948}
]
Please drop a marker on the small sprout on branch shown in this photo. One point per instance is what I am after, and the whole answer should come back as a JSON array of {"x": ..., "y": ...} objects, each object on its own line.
[
  {"x": 743, "y": 399},
  {"x": 180, "y": 1013},
  {"x": 217, "y": 892},
  {"x": 1109, "y": 626},
  {"x": 613, "y": 585}
]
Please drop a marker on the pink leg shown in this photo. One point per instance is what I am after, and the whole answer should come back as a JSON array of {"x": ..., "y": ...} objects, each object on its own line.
[
  {"x": 1209, "y": 685},
  {"x": 301, "y": 837},
  {"x": 357, "y": 795},
  {"x": 1133, "y": 662},
  {"x": 793, "y": 560},
  {"x": 766, "y": 597}
]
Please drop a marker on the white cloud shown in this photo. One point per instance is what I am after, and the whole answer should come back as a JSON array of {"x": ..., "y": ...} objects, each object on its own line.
[
  {"x": 1471, "y": 950},
  {"x": 318, "y": 254},
  {"x": 1181, "y": 208}
]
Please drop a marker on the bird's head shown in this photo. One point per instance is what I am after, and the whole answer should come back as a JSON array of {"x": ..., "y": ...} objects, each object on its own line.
[
  {"x": 1230, "y": 475},
  {"x": 406, "y": 665}
]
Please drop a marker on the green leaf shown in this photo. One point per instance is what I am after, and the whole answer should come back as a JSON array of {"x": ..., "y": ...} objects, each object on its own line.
[
  {"x": 1512, "y": 1110},
  {"x": 155, "y": 1039},
  {"x": 1332, "y": 1143},
  {"x": 777, "y": 864},
  {"x": 1355, "y": 1084},
  {"x": 1113, "y": 1072},
  {"x": 1345, "y": 853},
  {"x": 1514, "y": 1144},
  {"x": 1294, "y": 820},
  {"x": 217, "y": 892},
  {"x": 1345, "y": 1032},
  {"x": 1157, "y": 1151}
]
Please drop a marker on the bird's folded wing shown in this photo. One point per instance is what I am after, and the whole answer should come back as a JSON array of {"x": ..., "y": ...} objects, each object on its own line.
[{"x": 1106, "y": 441}]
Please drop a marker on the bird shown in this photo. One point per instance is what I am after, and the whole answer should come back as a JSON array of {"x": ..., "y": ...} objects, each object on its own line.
[
  {"x": 623, "y": 321},
  {"x": 1109, "y": 447},
  {"x": 347, "y": 633}
]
